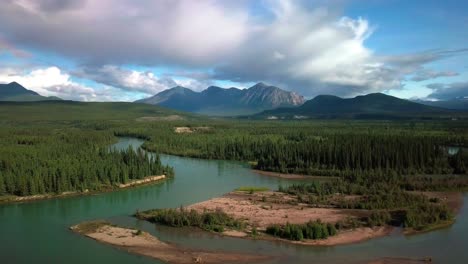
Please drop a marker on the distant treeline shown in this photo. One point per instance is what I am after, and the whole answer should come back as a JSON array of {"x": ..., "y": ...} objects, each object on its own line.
[
  {"x": 314, "y": 148},
  {"x": 39, "y": 161}
]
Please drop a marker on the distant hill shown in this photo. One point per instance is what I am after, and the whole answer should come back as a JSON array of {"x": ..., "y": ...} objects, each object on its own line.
[
  {"x": 372, "y": 106},
  {"x": 219, "y": 101},
  {"x": 15, "y": 92},
  {"x": 72, "y": 110},
  {"x": 455, "y": 104}
]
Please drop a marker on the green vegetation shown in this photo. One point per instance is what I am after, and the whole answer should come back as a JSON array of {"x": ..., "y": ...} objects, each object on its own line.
[
  {"x": 62, "y": 146},
  {"x": 215, "y": 221},
  {"x": 425, "y": 215},
  {"x": 90, "y": 227},
  {"x": 251, "y": 189},
  {"x": 310, "y": 230},
  {"x": 79, "y": 111},
  {"x": 389, "y": 202},
  {"x": 321, "y": 148},
  {"x": 38, "y": 161}
]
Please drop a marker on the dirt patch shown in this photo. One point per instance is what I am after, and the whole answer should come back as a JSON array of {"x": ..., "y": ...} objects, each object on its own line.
[
  {"x": 351, "y": 236},
  {"x": 160, "y": 118},
  {"x": 143, "y": 243},
  {"x": 181, "y": 130},
  {"x": 263, "y": 209}
]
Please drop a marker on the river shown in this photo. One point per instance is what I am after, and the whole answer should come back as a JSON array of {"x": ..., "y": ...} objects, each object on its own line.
[{"x": 37, "y": 232}]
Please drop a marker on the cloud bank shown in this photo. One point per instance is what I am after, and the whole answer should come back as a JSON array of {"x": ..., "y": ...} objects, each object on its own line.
[
  {"x": 311, "y": 49},
  {"x": 448, "y": 91},
  {"x": 52, "y": 82}
]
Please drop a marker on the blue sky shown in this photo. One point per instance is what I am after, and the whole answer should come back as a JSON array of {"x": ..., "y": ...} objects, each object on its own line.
[{"x": 122, "y": 51}]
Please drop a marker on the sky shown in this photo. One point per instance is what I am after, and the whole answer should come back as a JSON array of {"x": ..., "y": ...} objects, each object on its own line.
[{"x": 124, "y": 50}]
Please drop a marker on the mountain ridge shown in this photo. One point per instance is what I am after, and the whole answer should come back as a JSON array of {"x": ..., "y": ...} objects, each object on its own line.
[
  {"x": 15, "y": 92},
  {"x": 372, "y": 105},
  {"x": 215, "y": 100}
]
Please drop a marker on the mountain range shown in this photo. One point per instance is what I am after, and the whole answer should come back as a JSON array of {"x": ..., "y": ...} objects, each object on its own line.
[
  {"x": 455, "y": 104},
  {"x": 270, "y": 102},
  {"x": 233, "y": 101},
  {"x": 15, "y": 92},
  {"x": 375, "y": 105}
]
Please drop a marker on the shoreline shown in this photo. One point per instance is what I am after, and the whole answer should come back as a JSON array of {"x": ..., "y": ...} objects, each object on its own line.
[
  {"x": 10, "y": 199},
  {"x": 292, "y": 176},
  {"x": 142, "y": 243},
  {"x": 263, "y": 209},
  {"x": 260, "y": 210}
]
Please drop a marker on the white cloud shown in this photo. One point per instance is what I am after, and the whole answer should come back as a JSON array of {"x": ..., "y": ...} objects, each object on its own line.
[
  {"x": 52, "y": 81},
  {"x": 310, "y": 48},
  {"x": 129, "y": 80}
]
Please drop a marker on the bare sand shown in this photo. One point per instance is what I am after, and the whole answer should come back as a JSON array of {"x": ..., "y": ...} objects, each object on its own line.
[
  {"x": 262, "y": 209},
  {"x": 275, "y": 208},
  {"x": 395, "y": 260},
  {"x": 351, "y": 236},
  {"x": 182, "y": 130},
  {"x": 160, "y": 118},
  {"x": 291, "y": 176},
  {"x": 145, "y": 180},
  {"x": 29, "y": 198},
  {"x": 143, "y": 243}
]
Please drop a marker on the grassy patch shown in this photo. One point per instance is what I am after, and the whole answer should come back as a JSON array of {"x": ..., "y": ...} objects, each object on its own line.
[
  {"x": 251, "y": 189},
  {"x": 89, "y": 227},
  {"x": 429, "y": 228},
  {"x": 215, "y": 221}
]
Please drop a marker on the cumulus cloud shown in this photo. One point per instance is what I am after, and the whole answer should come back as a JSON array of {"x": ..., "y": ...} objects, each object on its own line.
[
  {"x": 308, "y": 48},
  {"x": 130, "y": 80},
  {"x": 52, "y": 81},
  {"x": 448, "y": 91}
]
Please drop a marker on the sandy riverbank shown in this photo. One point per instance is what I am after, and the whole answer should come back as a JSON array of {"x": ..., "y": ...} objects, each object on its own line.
[
  {"x": 293, "y": 176},
  {"x": 351, "y": 236},
  {"x": 395, "y": 260},
  {"x": 29, "y": 198},
  {"x": 263, "y": 209},
  {"x": 146, "y": 180},
  {"x": 143, "y": 243}
]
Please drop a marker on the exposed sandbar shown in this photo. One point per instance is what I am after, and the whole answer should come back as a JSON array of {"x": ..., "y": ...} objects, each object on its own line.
[{"x": 142, "y": 243}]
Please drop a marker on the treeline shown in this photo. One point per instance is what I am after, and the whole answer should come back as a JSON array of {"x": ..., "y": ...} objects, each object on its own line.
[
  {"x": 215, "y": 221},
  {"x": 387, "y": 200},
  {"x": 41, "y": 161},
  {"x": 310, "y": 230},
  {"x": 315, "y": 148}
]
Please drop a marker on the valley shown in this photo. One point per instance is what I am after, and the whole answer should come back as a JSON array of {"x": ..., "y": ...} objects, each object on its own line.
[{"x": 366, "y": 182}]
